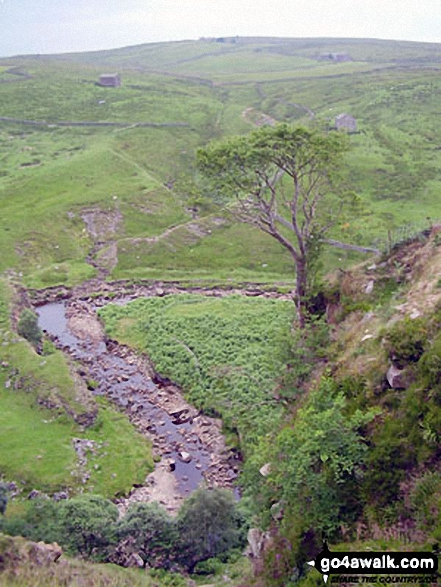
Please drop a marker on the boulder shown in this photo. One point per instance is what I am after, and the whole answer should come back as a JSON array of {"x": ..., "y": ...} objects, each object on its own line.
[
  {"x": 369, "y": 287},
  {"x": 184, "y": 456},
  {"x": 255, "y": 542},
  {"x": 395, "y": 377},
  {"x": 265, "y": 470},
  {"x": 180, "y": 415},
  {"x": 277, "y": 511},
  {"x": 43, "y": 554}
]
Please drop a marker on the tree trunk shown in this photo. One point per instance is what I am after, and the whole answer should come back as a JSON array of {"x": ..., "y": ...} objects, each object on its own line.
[{"x": 301, "y": 286}]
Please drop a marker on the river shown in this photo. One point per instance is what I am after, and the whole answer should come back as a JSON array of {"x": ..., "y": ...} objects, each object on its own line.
[{"x": 190, "y": 444}]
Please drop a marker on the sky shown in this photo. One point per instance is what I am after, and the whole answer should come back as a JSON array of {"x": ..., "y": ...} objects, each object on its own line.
[{"x": 61, "y": 26}]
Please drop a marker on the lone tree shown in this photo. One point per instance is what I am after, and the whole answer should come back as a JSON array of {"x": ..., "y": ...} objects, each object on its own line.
[{"x": 284, "y": 180}]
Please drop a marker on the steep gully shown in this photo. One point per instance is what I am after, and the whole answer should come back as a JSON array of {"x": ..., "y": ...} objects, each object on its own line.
[{"x": 189, "y": 444}]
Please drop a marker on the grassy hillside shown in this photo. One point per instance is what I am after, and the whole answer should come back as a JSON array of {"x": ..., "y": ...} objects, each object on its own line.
[
  {"x": 49, "y": 174},
  {"x": 28, "y": 563},
  {"x": 44, "y": 405},
  {"x": 99, "y": 182}
]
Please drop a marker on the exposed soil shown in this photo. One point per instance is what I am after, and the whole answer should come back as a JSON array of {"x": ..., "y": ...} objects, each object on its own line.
[
  {"x": 101, "y": 223},
  {"x": 98, "y": 292}
]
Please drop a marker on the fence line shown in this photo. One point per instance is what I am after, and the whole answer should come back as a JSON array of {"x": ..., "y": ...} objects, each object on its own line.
[{"x": 405, "y": 233}]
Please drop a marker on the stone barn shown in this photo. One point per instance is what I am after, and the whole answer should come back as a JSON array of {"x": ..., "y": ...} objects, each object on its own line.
[
  {"x": 346, "y": 122},
  {"x": 109, "y": 80},
  {"x": 335, "y": 57}
]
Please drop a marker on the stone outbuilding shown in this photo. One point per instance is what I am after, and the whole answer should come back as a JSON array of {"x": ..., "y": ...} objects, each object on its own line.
[
  {"x": 109, "y": 80},
  {"x": 335, "y": 57},
  {"x": 346, "y": 122}
]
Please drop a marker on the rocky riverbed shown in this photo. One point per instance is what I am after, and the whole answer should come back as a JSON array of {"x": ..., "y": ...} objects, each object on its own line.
[{"x": 189, "y": 446}]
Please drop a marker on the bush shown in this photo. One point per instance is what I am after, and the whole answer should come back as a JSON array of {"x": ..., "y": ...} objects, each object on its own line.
[
  {"x": 48, "y": 348},
  {"x": 307, "y": 347},
  {"x": 152, "y": 532},
  {"x": 430, "y": 364},
  {"x": 211, "y": 566},
  {"x": 28, "y": 327},
  {"x": 425, "y": 500},
  {"x": 87, "y": 525},
  {"x": 390, "y": 457},
  {"x": 405, "y": 341},
  {"x": 39, "y": 522},
  {"x": 208, "y": 526},
  {"x": 318, "y": 459}
]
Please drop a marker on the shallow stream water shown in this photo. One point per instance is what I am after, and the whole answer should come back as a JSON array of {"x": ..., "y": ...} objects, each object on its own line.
[{"x": 120, "y": 380}]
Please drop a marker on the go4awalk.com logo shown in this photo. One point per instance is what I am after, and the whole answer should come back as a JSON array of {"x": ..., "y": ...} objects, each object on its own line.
[{"x": 356, "y": 564}]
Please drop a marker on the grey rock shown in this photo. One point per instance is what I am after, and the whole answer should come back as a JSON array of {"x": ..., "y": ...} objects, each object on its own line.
[
  {"x": 184, "y": 456},
  {"x": 265, "y": 470},
  {"x": 255, "y": 541},
  {"x": 370, "y": 287},
  {"x": 395, "y": 377}
]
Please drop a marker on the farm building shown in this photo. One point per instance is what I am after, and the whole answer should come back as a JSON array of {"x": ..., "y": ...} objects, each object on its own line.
[
  {"x": 109, "y": 80},
  {"x": 336, "y": 57},
  {"x": 346, "y": 122}
]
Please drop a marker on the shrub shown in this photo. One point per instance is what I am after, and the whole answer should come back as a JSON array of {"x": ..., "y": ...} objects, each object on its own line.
[
  {"x": 211, "y": 566},
  {"x": 405, "y": 341},
  {"x": 430, "y": 364},
  {"x": 39, "y": 522},
  {"x": 390, "y": 457},
  {"x": 48, "y": 348},
  {"x": 425, "y": 500},
  {"x": 87, "y": 524},
  {"x": 28, "y": 327},
  {"x": 318, "y": 459},
  {"x": 208, "y": 526},
  {"x": 152, "y": 532}
]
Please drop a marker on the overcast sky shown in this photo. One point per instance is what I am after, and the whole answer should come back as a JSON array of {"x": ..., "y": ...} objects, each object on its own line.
[{"x": 55, "y": 26}]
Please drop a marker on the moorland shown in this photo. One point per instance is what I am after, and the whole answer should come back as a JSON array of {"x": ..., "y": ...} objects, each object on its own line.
[{"x": 100, "y": 195}]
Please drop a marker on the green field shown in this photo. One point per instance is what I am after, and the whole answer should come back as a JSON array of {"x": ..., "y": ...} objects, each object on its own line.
[
  {"x": 41, "y": 403},
  {"x": 50, "y": 175}
]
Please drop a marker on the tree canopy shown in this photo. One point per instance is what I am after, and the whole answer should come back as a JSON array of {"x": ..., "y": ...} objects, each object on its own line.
[{"x": 284, "y": 180}]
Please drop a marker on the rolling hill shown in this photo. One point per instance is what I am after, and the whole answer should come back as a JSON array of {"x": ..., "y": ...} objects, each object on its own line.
[{"x": 64, "y": 162}]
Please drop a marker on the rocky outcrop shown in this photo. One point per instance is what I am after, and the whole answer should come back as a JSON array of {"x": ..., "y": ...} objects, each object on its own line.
[
  {"x": 255, "y": 540},
  {"x": 126, "y": 555},
  {"x": 15, "y": 551}
]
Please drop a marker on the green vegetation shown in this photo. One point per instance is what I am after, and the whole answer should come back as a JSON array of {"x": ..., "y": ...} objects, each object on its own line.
[
  {"x": 22, "y": 568},
  {"x": 299, "y": 212},
  {"x": 319, "y": 461},
  {"x": 226, "y": 353},
  {"x": 3, "y": 497},
  {"x": 28, "y": 327},
  {"x": 86, "y": 524},
  {"x": 150, "y": 532},
  {"x": 42, "y": 409},
  {"x": 207, "y": 526},
  {"x": 350, "y": 455},
  {"x": 123, "y": 171}
]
